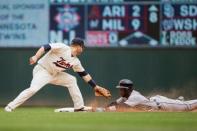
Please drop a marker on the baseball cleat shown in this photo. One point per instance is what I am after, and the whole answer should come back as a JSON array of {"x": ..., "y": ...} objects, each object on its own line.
[
  {"x": 181, "y": 98},
  {"x": 8, "y": 109}
]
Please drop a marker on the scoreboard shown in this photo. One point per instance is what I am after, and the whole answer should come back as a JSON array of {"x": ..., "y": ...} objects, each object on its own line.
[
  {"x": 127, "y": 23},
  {"x": 102, "y": 23},
  {"x": 123, "y": 25},
  {"x": 107, "y": 24},
  {"x": 179, "y": 24}
]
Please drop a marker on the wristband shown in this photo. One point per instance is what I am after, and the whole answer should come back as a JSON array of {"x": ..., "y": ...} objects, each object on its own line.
[
  {"x": 47, "y": 47},
  {"x": 81, "y": 74},
  {"x": 92, "y": 83}
]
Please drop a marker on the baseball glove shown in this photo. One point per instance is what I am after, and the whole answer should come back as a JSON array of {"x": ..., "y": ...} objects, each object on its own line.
[{"x": 100, "y": 91}]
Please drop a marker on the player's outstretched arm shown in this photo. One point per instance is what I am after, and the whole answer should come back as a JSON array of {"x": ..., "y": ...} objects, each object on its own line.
[
  {"x": 35, "y": 58},
  {"x": 39, "y": 53},
  {"x": 99, "y": 91}
]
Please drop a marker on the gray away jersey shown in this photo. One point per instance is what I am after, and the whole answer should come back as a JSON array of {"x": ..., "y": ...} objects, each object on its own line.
[
  {"x": 136, "y": 99},
  {"x": 59, "y": 58}
]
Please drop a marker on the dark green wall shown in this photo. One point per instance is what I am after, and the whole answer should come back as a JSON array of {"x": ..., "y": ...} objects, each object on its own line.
[{"x": 166, "y": 71}]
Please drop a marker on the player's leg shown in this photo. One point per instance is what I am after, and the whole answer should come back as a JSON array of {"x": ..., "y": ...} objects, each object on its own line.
[
  {"x": 168, "y": 104},
  {"x": 192, "y": 104},
  {"x": 40, "y": 78},
  {"x": 175, "y": 104},
  {"x": 69, "y": 81},
  {"x": 178, "y": 105}
]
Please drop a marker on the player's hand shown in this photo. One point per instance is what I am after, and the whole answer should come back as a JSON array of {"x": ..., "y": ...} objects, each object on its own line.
[
  {"x": 33, "y": 60},
  {"x": 100, "y": 91}
]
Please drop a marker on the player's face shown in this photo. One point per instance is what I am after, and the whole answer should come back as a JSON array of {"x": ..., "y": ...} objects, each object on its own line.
[
  {"x": 123, "y": 92},
  {"x": 77, "y": 50}
]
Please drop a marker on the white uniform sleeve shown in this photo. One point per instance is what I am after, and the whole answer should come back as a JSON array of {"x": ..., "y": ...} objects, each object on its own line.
[
  {"x": 135, "y": 99},
  {"x": 58, "y": 46},
  {"x": 78, "y": 67},
  {"x": 120, "y": 100},
  {"x": 133, "y": 102}
]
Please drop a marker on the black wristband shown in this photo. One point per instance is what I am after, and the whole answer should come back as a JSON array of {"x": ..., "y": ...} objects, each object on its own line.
[
  {"x": 81, "y": 74},
  {"x": 47, "y": 47},
  {"x": 92, "y": 83}
]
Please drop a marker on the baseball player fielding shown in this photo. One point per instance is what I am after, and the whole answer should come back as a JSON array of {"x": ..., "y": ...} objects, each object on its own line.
[{"x": 50, "y": 69}]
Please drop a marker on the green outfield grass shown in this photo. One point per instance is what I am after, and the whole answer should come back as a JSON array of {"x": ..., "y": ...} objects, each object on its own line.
[{"x": 44, "y": 119}]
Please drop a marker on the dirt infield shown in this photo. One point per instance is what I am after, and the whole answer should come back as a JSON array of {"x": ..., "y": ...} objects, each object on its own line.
[{"x": 194, "y": 110}]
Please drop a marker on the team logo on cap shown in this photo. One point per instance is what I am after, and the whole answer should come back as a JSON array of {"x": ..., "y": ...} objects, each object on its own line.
[{"x": 67, "y": 18}]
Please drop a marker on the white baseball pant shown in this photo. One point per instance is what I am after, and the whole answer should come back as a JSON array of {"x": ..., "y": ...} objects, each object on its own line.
[
  {"x": 41, "y": 77},
  {"x": 174, "y": 105}
]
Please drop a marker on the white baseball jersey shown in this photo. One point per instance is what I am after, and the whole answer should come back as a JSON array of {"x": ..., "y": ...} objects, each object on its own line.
[
  {"x": 59, "y": 58},
  {"x": 157, "y": 102}
]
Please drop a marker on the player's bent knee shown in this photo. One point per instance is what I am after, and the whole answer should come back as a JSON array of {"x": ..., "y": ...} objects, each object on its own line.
[{"x": 72, "y": 82}]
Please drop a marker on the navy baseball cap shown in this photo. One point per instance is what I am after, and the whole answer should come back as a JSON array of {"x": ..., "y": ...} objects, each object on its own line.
[{"x": 125, "y": 83}]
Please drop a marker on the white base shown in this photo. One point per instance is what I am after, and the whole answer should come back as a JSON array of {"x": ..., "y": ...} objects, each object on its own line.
[{"x": 71, "y": 109}]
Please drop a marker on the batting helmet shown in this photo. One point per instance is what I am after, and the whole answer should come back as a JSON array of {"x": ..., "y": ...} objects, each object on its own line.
[{"x": 125, "y": 83}]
